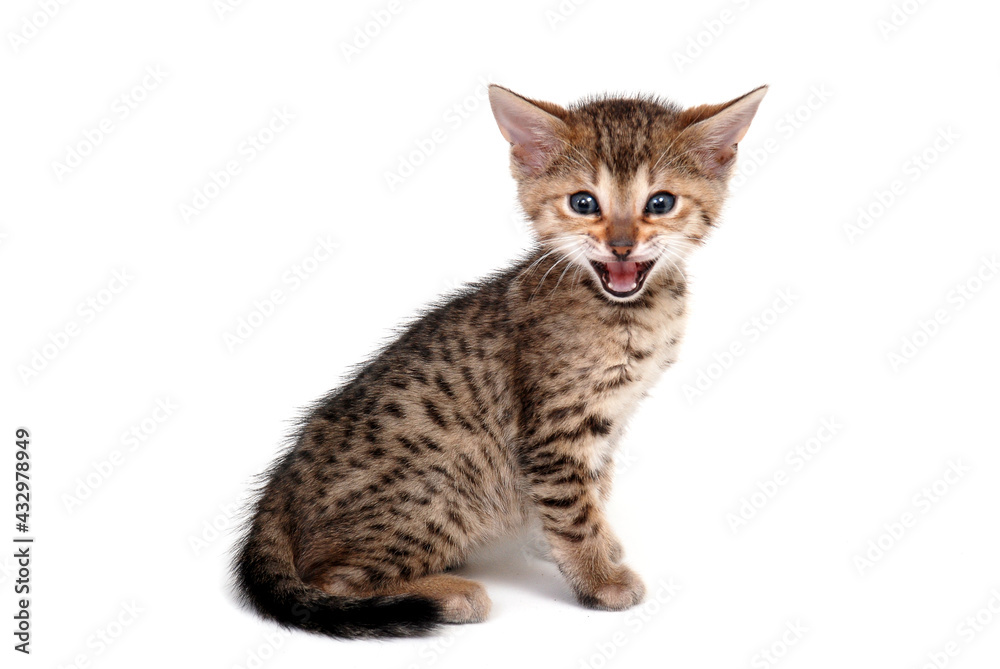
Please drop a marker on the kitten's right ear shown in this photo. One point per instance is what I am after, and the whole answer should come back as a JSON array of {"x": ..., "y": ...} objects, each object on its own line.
[{"x": 533, "y": 129}]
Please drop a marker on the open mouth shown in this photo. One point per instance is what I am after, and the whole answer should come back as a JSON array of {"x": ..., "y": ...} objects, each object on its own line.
[{"x": 622, "y": 279}]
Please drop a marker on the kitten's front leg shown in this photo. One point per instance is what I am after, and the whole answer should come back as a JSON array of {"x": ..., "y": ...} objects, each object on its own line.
[
  {"x": 567, "y": 496},
  {"x": 616, "y": 551}
]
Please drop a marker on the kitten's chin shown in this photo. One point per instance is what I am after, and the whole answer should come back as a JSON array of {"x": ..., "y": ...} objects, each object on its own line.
[{"x": 622, "y": 280}]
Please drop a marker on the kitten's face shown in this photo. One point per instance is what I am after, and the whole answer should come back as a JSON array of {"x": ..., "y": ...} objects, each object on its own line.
[
  {"x": 623, "y": 188},
  {"x": 622, "y": 226}
]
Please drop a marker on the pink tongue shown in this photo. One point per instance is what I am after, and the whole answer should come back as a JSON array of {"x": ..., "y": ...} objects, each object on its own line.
[{"x": 622, "y": 276}]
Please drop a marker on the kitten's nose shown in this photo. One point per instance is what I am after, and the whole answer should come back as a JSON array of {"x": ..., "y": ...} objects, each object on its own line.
[{"x": 621, "y": 251}]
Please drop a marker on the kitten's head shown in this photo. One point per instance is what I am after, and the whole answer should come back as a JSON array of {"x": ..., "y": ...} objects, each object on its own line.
[{"x": 622, "y": 186}]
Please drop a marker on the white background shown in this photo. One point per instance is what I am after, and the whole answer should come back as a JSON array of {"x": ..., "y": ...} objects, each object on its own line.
[{"x": 851, "y": 104}]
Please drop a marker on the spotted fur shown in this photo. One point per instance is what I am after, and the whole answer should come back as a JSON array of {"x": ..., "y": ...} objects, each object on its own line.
[{"x": 501, "y": 406}]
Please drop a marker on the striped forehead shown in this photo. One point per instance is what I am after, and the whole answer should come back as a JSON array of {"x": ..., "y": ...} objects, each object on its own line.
[{"x": 624, "y": 131}]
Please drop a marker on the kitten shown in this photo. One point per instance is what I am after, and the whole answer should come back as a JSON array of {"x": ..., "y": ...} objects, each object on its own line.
[{"x": 503, "y": 405}]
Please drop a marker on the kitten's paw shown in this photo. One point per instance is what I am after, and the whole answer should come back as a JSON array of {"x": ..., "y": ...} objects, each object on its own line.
[
  {"x": 470, "y": 604},
  {"x": 623, "y": 590},
  {"x": 460, "y": 600}
]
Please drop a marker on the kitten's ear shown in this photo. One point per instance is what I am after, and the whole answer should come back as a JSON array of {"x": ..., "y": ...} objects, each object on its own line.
[
  {"x": 715, "y": 130},
  {"x": 533, "y": 128}
]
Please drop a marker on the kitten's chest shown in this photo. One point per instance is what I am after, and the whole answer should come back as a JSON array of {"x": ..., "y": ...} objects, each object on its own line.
[
  {"x": 631, "y": 360},
  {"x": 607, "y": 371},
  {"x": 611, "y": 364}
]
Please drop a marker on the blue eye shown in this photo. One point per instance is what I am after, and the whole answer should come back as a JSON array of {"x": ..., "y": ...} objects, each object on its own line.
[
  {"x": 583, "y": 203},
  {"x": 661, "y": 203}
]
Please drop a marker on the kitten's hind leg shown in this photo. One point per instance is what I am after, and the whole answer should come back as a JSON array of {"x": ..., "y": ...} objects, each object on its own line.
[{"x": 461, "y": 600}]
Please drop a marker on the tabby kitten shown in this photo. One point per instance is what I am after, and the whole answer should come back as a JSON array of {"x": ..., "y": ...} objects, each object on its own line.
[{"x": 502, "y": 406}]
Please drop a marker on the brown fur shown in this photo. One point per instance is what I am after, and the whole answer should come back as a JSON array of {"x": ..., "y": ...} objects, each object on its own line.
[{"x": 502, "y": 405}]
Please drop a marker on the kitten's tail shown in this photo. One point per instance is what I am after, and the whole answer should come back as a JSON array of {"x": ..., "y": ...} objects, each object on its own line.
[{"x": 269, "y": 583}]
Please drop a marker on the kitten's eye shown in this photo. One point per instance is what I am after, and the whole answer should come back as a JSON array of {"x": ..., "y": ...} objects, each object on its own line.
[
  {"x": 661, "y": 203},
  {"x": 583, "y": 203}
]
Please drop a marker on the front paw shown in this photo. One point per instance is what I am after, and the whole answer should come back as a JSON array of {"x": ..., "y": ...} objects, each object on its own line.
[{"x": 622, "y": 590}]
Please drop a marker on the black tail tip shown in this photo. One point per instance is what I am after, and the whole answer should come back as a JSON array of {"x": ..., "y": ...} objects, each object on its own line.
[
  {"x": 383, "y": 617},
  {"x": 375, "y": 617}
]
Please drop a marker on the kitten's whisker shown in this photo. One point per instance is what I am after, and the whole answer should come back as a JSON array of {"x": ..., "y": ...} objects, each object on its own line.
[
  {"x": 554, "y": 265},
  {"x": 569, "y": 264},
  {"x": 524, "y": 273},
  {"x": 671, "y": 256},
  {"x": 677, "y": 265}
]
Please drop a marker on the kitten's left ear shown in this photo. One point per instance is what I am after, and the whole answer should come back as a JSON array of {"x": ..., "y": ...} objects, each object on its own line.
[
  {"x": 715, "y": 130},
  {"x": 533, "y": 128}
]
